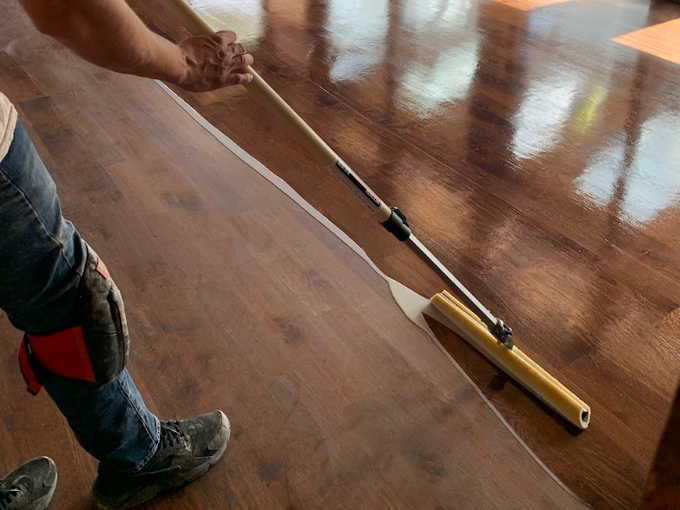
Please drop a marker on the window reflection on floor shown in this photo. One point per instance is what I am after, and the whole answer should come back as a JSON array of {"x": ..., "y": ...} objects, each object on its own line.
[
  {"x": 649, "y": 185},
  {"x": 242, "y": 16},
  {"x": 544, "y": 110},
  {"x": 356, "y": 31},
  {"x": 425, "y": 88},
  {"x": 434, "y": 79}
]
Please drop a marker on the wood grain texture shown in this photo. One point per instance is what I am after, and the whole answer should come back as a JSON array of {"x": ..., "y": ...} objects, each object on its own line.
[
  {"x": 238, "y": 299},
  {"x": 532, "y": 154},
  {"x": 663, "y": 484}
]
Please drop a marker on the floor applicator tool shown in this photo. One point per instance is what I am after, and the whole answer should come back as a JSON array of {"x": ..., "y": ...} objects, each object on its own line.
[{"x": 462, "y": 313}]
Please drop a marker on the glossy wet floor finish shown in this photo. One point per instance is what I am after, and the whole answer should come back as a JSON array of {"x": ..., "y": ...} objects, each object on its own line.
[{"x": 534, "y": 150}]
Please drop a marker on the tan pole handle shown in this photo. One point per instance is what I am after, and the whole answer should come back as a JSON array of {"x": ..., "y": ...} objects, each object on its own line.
[
  {"x": 390, "y": 218},
  {"x": 185, "y": 15}
]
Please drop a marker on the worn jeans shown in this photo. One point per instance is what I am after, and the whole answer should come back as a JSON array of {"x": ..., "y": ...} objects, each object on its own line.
[{"x": 41, "y": 262}]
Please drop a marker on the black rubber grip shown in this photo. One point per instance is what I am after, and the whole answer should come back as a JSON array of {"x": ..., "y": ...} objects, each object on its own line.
[{"x": 397, "y": 225}]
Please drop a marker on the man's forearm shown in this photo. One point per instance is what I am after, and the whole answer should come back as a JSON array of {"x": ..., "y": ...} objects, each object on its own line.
[{"x": 108, "y": 33}]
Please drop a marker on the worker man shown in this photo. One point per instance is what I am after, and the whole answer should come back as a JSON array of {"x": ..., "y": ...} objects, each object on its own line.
[{"x": 55, "y": 288}]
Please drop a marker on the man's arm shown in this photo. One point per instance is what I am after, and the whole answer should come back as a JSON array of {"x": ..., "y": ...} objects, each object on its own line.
[{"x": 108, "y": 33}]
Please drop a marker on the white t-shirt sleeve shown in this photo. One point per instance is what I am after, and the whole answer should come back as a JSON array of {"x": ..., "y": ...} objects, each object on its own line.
[{"x": 8, "y": 121}]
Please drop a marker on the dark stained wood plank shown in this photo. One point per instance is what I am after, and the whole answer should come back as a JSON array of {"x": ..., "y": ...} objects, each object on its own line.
[
  {"x": 532, "y": 153},
  {"x": 239, "y": 299},
  {"x": 663, "y": 484}
]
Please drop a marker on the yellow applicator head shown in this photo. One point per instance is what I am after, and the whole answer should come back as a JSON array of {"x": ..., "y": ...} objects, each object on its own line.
[{"x": 512, "y": 361}]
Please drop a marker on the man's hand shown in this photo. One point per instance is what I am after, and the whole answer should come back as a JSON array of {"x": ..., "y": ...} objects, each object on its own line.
[
  {"x": 109, "y": 34},
  {"x": 213, "y": 61}
]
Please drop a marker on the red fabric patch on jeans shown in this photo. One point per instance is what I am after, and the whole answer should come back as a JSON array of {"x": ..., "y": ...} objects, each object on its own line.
[{"x": 63, "y": 353}]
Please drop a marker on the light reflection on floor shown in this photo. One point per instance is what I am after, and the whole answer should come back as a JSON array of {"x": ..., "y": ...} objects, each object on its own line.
[
  {"x": 242, "y": 16},
  {"x": 662, "y": 40},
  {"x": 543, "y": 112},
  {"x": 435, "y": 79},
  {"x": 424, "y": 89},
  {"x": 528, "y": 5},
  {"x": 357, "y": 34},
  {"x": 649, "y": 185}
]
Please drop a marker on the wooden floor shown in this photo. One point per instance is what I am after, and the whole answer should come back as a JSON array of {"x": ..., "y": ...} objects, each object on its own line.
[
  {"x": 239, "y": 299},
  {"x": 663, "y": 484},
  {"x": 534, "y": 149}
]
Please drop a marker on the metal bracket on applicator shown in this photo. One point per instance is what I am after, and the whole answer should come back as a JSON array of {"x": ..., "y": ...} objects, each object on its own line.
[
  {"x": 503, "y": 333},
  {"x": 398, "y": 225}
]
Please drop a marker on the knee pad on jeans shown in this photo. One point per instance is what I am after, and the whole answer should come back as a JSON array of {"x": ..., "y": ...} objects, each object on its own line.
[{"x": 94, "y": 347}]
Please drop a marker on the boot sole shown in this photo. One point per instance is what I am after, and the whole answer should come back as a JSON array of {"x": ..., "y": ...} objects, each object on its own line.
[{"x": 148, "y": 493}]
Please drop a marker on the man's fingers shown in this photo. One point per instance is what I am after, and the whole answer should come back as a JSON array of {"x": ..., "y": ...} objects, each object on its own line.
[
  {"x": 242, "y": 61},
  {"x": 240, "y": 78},
  {"x": 226, "y": 36},
  {"x": 239, "y": 49},
  {"x": 213, "y": 61}
]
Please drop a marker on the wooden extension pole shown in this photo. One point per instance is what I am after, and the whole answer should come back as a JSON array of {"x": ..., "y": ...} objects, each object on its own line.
[
  {"x": 389, "y": 217},
  {"x": 288, "y": 119}
]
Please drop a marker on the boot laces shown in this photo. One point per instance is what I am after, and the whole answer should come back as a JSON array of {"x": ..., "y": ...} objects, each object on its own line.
[
  {"x": 172, "y": 434},
  {"x": 7, "y": 494}
]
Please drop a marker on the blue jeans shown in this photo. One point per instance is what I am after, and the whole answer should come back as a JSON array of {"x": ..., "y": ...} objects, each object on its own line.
[{"x": 41, "y": 262}]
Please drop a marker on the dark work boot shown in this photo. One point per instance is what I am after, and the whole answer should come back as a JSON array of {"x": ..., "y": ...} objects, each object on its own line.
[
  {"x": 186, "y": 451},
  {"x": 30, "y": 486}
]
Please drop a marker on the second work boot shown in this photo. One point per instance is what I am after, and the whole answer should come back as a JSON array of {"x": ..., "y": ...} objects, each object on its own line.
[
  {"x": 30, "y": 486},
  {"x": 186, "y": 451}
]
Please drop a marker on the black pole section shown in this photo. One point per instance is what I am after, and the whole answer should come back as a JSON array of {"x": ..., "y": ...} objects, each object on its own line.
[{"x": 397, "y": 225}]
